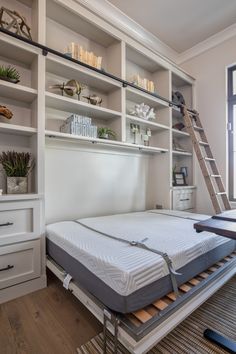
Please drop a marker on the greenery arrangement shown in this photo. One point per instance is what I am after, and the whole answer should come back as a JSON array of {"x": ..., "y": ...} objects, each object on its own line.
[
  {"x": 16, "y": 164},
  {"x": 106, "y": 133},
  {"x": 9, "y": 73}
]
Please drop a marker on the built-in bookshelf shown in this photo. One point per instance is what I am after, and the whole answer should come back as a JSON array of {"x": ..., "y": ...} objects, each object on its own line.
[{"x": 40, "y": 109}]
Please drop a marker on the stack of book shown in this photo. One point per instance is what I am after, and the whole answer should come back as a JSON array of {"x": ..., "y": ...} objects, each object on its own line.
[
  {"x": 144, "y": 83},
  {"x": 79, "y": 125},
  {"x": 77, "y": 52}
]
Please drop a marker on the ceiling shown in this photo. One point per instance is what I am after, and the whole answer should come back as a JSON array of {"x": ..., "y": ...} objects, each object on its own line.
[{"x": 180, "y": 24}]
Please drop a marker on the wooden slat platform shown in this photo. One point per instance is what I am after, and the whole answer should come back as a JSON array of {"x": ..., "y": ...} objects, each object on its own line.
[{"x": 144, "y": 315}]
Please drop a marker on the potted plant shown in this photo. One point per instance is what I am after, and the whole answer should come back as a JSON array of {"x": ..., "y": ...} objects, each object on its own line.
[
  {"x": 9, "y": 73},
  {"x": 106, "y": 133},
  {"x": 17, "y": 166}
]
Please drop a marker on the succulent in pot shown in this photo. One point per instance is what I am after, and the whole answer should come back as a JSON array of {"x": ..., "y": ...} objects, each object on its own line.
[
  {"x": 106, "y": 133},
  {"x": 9, "y": 73},
  {"x": 17, "y": 166}
]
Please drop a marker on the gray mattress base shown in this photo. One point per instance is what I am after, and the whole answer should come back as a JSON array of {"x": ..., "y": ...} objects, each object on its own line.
[{"x": 142, "y": 297}]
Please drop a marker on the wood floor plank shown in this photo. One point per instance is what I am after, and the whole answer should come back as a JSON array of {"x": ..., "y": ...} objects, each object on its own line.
[{"x": 49, "y": 321}]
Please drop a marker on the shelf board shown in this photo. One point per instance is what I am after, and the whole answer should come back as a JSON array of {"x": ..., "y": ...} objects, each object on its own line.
[
  {"x": 139, "y": 97},
  {"x": 17, "y": 92},
  {"x": 71, "y": 105},
  {"x": 78, "y": 24},
  {"x": 182, "y": 153},
  {"x": 151, "y": 124},
  {"x": 16, "y": 197},
  {"x": 108, "y": 143},
  {"x": 17, "y": 129},
  {"x": 180, "y": 133},
  {"x": 183, "y": 187},
  {"x": 16, "y": 50},
  {"x": 142, "y": 60},
  {"x": 64, "y": 68}
]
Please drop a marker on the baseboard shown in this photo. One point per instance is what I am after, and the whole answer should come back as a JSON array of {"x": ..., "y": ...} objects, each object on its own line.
[{"x": 22, "y": 289}]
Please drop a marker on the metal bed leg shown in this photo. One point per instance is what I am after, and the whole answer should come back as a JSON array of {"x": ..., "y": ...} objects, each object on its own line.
[{"x": 114, "y": 321}]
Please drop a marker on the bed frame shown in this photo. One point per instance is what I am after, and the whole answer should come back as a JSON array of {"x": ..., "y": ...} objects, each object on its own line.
[{"x": 141, "y": 330}]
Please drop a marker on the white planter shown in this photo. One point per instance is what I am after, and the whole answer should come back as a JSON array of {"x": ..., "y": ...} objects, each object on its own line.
[{"x": 17, "y": 185}]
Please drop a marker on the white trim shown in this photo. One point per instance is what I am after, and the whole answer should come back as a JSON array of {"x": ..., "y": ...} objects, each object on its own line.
[
  {"x": 125, "y": 24},
  {"x": 207, "y": 44}
]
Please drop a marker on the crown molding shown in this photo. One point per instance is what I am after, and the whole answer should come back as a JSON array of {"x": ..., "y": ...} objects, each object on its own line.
[
  {"x": 125, "y": 24},
  {"x": 207, "y": 44}
]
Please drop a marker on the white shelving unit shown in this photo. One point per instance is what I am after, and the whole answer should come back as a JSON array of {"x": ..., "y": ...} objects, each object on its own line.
[{"x": 39, "y": 111}]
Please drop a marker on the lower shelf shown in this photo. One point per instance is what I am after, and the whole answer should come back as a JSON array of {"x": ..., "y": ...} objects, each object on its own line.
[{"x": 108, "y": 143}]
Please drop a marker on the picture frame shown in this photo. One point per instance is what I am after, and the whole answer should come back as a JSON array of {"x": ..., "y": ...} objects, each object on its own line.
[
  {"x": 179, "y": 179},
  {"x": 184, "y": 170}
]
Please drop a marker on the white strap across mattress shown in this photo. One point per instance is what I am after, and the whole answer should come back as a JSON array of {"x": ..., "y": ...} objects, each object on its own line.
[{"x": 125, "y": 268}]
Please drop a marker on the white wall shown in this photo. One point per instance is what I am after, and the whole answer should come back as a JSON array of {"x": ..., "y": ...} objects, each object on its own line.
[
  {"x": 82, "y": 182},
  {"x": 209, "y": 69}
]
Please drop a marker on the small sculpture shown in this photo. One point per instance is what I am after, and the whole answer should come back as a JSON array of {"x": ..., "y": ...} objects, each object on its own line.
[
  {"x": 4, "y": 111},
  {"x": 143, "y": 111},
  {"x": 71, "y": 88},
  {"x": 94, "y": 99},
  {"x": 178, "y": 98},
  {"x": 135, "y": 129},
  {"x": 13, "y": 21}
]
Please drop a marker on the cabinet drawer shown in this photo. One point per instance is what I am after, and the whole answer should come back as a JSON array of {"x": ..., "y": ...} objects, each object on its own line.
[
  {"x": 16, "y": 221},
  {"x": 19, "y": 263},
  {"x": 183, "y": 199},
  {"x": 19, "y": 218}
]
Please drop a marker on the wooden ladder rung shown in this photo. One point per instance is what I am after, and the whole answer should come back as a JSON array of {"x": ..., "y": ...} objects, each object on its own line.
[
  {"x": 210, "y": 159},
  {"x": 203, "y": 143},
  {"x": 195, "y": 127},
  {"x": 221, "y": 193},
  {"x": 215, "y": 176}
]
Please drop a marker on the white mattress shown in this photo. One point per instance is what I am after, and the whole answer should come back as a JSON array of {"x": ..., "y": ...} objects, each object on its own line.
[{"x": 125, "y": 268}]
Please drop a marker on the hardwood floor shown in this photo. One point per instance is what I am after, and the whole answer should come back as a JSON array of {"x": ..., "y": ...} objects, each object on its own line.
[{"x": 49, "y": 321}]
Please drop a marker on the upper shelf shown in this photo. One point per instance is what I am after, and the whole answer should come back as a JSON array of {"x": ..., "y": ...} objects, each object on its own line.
[
  {"x": 71, "y": 105},
  {"x": 78, "y": 24},
  {"x": 137, "y": 96},
  {"x": 17, "y": 92},
  {"x": 142, "y": 60},
  {"x": 15, "y": 50},
  {"x": 62, "y": 67}
]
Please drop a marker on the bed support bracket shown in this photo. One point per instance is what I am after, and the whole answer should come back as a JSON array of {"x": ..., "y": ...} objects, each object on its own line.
[{"x": 113, "y": 320}]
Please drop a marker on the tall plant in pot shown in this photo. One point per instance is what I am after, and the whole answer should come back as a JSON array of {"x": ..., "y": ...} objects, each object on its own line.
[{"x": 17, "y": 166}]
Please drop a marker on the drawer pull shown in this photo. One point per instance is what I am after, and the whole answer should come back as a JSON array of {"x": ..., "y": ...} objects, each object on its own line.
[
  {"x": 7, "y": 224},
  {"x": 184, "y": 200},
  {"x": 7, "y": 268}
]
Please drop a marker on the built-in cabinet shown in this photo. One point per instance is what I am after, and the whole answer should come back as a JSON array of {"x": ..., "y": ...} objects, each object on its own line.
[{"x": 39, "y": 111}]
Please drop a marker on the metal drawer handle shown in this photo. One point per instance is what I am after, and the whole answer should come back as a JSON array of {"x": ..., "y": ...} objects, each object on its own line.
[
  {"x": 7, "y": 224},
  {"x": 7, "y": 268},
  {"x": 184, "y": 200}
]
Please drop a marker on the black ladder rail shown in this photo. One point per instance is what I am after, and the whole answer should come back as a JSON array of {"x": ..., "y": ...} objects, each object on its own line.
[{"x": 46, "y": 50}]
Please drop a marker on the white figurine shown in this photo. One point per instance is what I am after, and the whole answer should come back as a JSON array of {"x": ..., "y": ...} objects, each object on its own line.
[{"x": 143, "y": 111}]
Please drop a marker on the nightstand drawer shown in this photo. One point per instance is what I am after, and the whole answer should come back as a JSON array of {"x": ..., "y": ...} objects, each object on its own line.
[
  {"x": 19, "y": 218},
  {"x": 16, "y": 221},
  {"x": 19, "y": 263},
  {"x": 183, "y": 199}
]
